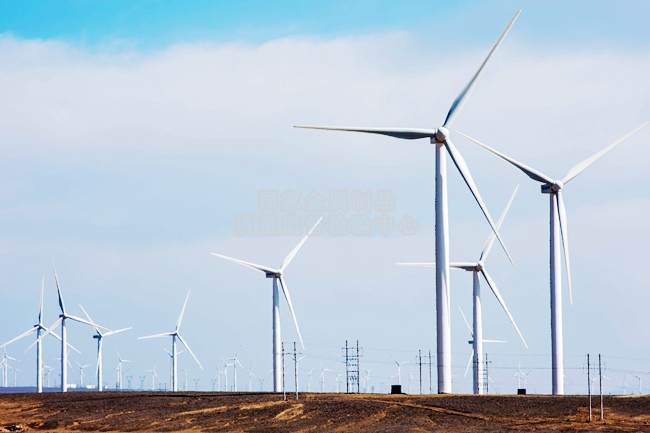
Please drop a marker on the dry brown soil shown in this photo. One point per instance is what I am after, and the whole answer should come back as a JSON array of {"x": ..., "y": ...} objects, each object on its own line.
[{"x": 264, "y": 412}]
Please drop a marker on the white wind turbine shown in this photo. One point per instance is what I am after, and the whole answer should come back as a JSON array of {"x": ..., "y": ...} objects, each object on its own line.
[
  {"x": 440, "y": 138},
  {"x": 477, "y": 374},
  {"x": 39, "y": 345},
  {"x": 154, "y": 376},
  {"x": 100, "y": 341},
  {"x": 277, "y": 274},
  {"x": 558, "y": 228},
  {"x": 64, "y": 335},
  {"x": 175, "y": 334},
  {"x": 81, "y": 373},
  {"x": 479, "y": 268},
  {"x": 399, "y": 368},
  {"x": 235, "y": 363},
  {"x": 119, "y": 370}
]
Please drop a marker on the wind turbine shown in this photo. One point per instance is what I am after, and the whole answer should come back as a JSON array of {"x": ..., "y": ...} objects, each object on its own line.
[
  {"x": 64, "y": 335},
  {"x": 477, "y": 374},
  {"x": 367, "y": 379},
  {"x": 309, "y": 379},
  {"x": 154, "y": 375},
  {"x": 100, "y": 340},
  {"x": 185, "y": 371},
  {"x": 119, "y": 371},
  {"x": 235, "y": 363},
  {"x": 81, "y": 373},
  {"x": 175, "y": 334},
  {"x": 558, "y": 228},
  {"x": 440, "y": 138},
  {"x": 521, "y": 376},
  {"x": 171, "y": 362},
  {"x": 39, "y": 345},
  {"x": 479, "y": 268},
  {"x": 277, "y": 274},
  {"x": 399, "y": 368}
]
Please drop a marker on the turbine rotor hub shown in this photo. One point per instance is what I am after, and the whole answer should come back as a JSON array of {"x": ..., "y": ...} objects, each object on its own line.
[
  {"x": 480, "y": 265},
  {"x": 441, "y": 135},
  {"x": 557, "y": 185}
]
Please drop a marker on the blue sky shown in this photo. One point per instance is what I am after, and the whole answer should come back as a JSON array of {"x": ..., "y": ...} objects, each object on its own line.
[
  {"x": 158, "y": 24},
  {"x": 135, "y": 133}
]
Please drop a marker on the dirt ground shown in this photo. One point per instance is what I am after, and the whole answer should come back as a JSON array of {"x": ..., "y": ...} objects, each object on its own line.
[{"x": 265, "y": 412}]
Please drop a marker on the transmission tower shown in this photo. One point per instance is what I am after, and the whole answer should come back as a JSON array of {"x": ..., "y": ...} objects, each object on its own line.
[{"x": 352, "y": 354}]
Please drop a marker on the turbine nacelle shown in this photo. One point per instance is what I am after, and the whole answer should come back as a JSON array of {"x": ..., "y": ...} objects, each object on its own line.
[
  {"x": 440, "y": 136},
  {"x": 276, "y": 274},
  {"x": 552, "y": 188}
]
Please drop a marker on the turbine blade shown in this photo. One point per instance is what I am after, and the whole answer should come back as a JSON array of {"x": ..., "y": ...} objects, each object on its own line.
[
  {"x": 469, "y": 363},
  {"x": 48, "y": 331},
  {"x": 469, "y": 328},
  {"x": 422, "y": 265},
  {"x": 490, "y": 240},
  {"x": 495, "y": 290},
  {"x": 119, "y": 330},
  {"x": 464, "y": 94},
  {"x": 403, "y": 133},
  {"x": 564, "y": 230},
  {"x": 494, "y": 341},
  {"x": 530, "y": 172},
  {"x": 579, "y": 168},
  {"x": 285, "y": 290},
  {"x": 24, "y": 334},
  {"x": 180, "y": 318},
  {"x": 293, "y": 252},
  {"x": 468, "y": 266},
  {"x": 189, "y": 350},
  {"x": 70, "y": 346},
  {"x": 164, "y": 334},
  {"x": 250, "y": 265},
  {"x": 58, "y": 290},
  {"x": 89, "y": 319},
  {"x": 462, "y": 167},
  {"x": 85, "y": 322}
]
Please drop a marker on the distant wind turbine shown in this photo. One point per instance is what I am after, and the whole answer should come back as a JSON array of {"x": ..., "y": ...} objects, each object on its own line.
[
  {"x": 440, "y": 138},
  {"x": 277, "y": 274},
  {"x": 558, "y": 226},
  {"x": 99, "y": 372},
  {"x": 175, "y": 334}
]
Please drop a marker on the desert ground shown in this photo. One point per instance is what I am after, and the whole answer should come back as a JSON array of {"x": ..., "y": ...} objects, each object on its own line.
[{"x": 266, "y": 412}]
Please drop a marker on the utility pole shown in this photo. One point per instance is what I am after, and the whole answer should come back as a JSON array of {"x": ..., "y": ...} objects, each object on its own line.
[
  {"x": 600, "y": 375},
  {"x": 430, "y": 375},
  {"x": 420, "y": 363},
  {"x": 589, "y": 385},
  {"x": 284, "y": 391},
  {"x": 295, "y": 364},
  {"x": 487, "y": 376}
]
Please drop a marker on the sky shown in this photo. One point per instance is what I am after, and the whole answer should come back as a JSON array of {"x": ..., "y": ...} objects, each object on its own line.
[{"x": 138, "y": 137}]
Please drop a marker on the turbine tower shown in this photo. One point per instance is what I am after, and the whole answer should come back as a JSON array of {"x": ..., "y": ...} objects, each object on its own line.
[
  {"x": 558, "y": 227},
  {"x": 64, "y": 335},
  {"x": 175, "y": 334},
  {"x": 477, "y": 329},
  {"x": 277, "y": 274},
  {"x": 440, "y": 138},
  {"x": 39, "y": 345},
  {"x": 99, "y": 373}
]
